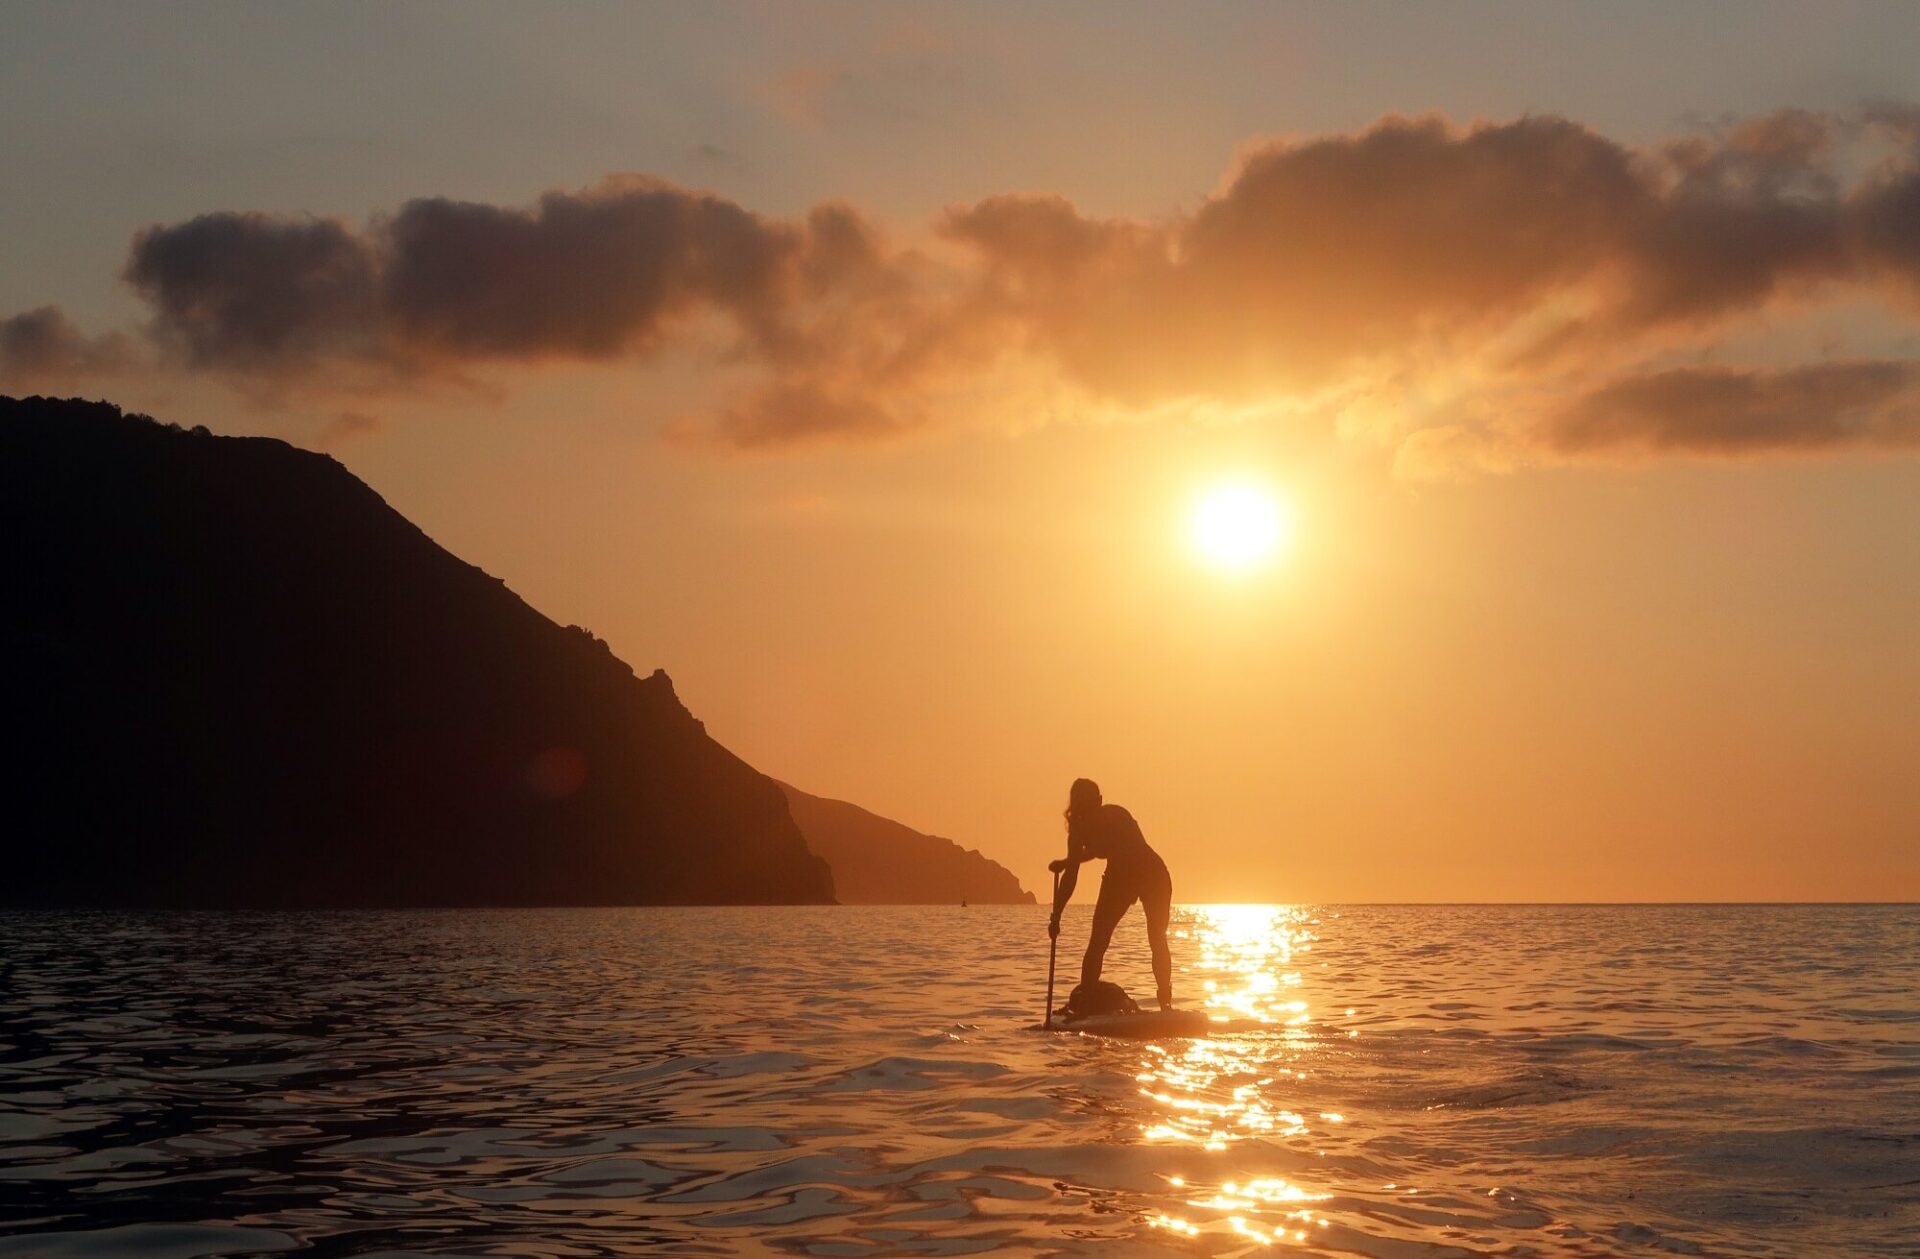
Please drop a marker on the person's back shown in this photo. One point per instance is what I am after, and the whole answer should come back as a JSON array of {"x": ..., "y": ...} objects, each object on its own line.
[{"x": 1115, "y": 836}]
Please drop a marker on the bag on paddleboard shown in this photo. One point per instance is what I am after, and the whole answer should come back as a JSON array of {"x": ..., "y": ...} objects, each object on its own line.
[{"x": 1099, "y": 997}]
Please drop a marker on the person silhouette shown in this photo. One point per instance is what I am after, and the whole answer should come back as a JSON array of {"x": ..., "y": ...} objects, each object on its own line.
[{"x": 1097, "y": 830}]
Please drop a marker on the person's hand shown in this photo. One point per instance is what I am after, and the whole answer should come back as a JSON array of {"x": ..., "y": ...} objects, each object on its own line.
[
  {"x": 1053, "y": 927},
  {"x": 1058, "y": 867}
]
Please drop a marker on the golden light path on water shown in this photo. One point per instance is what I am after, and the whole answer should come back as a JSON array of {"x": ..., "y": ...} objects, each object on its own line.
[{"x": 1215, "y": 1092}]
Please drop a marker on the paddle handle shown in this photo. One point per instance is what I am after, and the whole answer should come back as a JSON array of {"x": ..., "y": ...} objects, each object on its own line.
[{"x": 1053, "y": 948}]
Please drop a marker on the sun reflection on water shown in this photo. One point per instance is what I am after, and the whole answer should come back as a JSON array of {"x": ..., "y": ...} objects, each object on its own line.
[
  {"x": 1251, "y": 949},
  {"x": 1215, "y": 1092}
]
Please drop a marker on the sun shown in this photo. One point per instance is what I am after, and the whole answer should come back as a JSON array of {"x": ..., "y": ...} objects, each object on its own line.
[{"x": 1238, "y": 526}]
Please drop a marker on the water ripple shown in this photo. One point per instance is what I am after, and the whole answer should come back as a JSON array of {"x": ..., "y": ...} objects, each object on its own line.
[{"x": 1418, "y": 1082}]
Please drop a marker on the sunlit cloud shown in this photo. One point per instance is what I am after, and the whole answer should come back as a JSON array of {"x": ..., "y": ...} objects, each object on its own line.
[{"x": 1468, "y": 298}]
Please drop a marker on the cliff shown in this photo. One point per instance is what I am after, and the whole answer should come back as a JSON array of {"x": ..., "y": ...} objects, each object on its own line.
[
  {"x": 877, "y": 861},
  {"x": 234, "y": 676}
]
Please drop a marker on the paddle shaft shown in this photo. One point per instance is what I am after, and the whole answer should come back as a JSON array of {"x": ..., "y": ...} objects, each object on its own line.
[{"x": 1053, "y": 946}]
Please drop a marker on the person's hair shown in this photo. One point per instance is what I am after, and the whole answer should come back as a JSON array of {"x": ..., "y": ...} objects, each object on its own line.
[{"x": 1082, "y": 802}]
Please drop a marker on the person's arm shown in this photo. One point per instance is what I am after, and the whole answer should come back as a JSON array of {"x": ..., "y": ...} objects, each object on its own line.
[{"x": 1069, "y": 871}]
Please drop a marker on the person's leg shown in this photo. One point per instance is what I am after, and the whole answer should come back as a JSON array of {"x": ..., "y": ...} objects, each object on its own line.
[
  {"x": 1157, "y": 904},
  {"x": 1115, "y": 896}
]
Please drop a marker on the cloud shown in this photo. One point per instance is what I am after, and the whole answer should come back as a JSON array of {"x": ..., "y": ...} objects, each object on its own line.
[
  {"x": 44, "y": 345},
  {"x": 1523, "y": 262},
  {"x": 1738, "y": 222},
  {"x": 1884, "y": 228},
  {"x": 344, "y": 427},
  {"x": 1732, "y": 411},
  {"x": 1451, "y": 452},
  {"x": 582, "y": 275},
  {"x": 257, "y": 292},
  {"x": 781, "y": 415},
  {"x": 1522, "y": 258},
  {"x": 1317, "y": 257}
]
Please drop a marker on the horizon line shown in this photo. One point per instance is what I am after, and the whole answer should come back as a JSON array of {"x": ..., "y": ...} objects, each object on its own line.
[{"x": 1036, "y": 904}]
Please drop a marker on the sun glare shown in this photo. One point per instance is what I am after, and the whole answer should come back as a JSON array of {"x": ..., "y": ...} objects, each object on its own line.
[{"x": 1239, "y": 526}]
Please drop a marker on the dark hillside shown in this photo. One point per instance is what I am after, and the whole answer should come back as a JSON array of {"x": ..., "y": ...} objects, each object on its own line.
[
  {"x": 234, "y": 676},
  {"x": 877, "y": 861}
]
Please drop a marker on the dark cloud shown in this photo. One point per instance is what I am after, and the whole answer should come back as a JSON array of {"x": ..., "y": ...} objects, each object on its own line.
[
  {"x": 1352, "y": 243},
  {"x": 44, "y": 345},
  {"x": 613, "y": 270},
  {"x": 1313, "y": 255},
  {"x": 1884, "y": 218},
  {"x": 583, "y": 275},
  {"x": 1321, "y": 253},
  {"x": 1731, "y": 411},
  {"x": 1740, "y": 220},
  {"x": 1517, "y": 254},
  {"x": 259, "y": 292}
]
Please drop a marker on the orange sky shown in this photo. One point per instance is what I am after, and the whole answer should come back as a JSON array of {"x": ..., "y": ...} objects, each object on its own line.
[{"x": 1596, "y": 413}]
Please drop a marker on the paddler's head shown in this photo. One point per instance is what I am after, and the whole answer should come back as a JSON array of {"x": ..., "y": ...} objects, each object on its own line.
[{"x": 1083, "y": 799}]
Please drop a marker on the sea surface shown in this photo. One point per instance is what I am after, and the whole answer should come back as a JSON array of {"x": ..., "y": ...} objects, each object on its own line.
[{"x": 1423, "y": 1081}]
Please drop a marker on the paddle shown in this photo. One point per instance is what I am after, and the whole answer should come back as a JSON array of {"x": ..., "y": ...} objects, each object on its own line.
[{"x": 1053, "y": 947}]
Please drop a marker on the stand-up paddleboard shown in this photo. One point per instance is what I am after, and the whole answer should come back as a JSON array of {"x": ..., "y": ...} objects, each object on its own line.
[{"x": 1146, "y": 1025}]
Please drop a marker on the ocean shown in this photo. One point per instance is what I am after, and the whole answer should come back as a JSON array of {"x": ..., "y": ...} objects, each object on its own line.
[{"x": 1426, "y": 1081}]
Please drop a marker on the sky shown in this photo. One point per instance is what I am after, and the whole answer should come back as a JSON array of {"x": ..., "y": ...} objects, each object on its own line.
[{"x": 863, "y": 365}]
